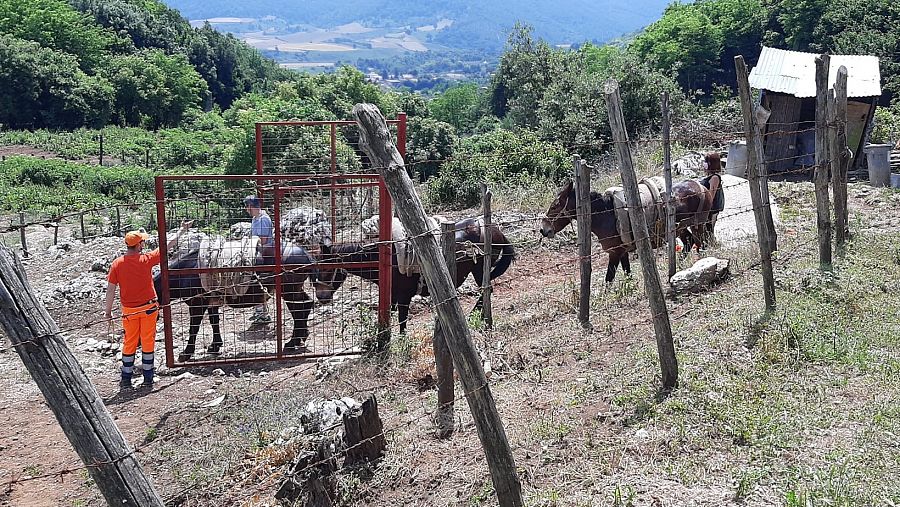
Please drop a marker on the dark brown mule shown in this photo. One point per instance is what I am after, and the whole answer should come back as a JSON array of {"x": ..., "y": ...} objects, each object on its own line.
[
  {"x": 688, "y": 201},
  {"x": 404, "y": 287}
]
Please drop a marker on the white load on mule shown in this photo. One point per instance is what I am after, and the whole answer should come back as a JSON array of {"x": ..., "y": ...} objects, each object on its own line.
[
  {"x": 654, "y": 211},
  {"x": 301, "y": 226},
  {"x": 407, "y": 263}
]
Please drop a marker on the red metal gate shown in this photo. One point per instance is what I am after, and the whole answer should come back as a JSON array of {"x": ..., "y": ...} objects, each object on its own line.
[{"x": 215, "y": 202}]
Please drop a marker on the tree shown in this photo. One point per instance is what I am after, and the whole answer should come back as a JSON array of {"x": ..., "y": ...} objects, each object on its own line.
[
  {"x": 865, "y": 27},
  {"x": 56, "y": 25},
  {"x": 792, "y": 22},
  {"x": 430, "y": 144},
  {"x": 154, "y": 89},
  {"x": 458, "y": 106},
  {"x": 44, "y": 87},
  {"x": 685, "y": 41},
  {"x": 525, "y": 71}
]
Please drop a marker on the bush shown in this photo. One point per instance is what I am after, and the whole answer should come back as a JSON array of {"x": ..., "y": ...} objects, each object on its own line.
[
  {"x": 501, "y": 156},
  {"x": 59, "y": 186},
  {"x": 886, "y": 125}
]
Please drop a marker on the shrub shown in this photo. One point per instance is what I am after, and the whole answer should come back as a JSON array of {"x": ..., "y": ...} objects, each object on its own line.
[{"x": 501, "y": 156}]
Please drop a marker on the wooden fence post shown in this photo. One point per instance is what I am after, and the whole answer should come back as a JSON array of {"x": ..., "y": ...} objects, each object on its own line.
[
  {"x": 118, "y": 221},
  {"x": 841, "y": 159},
  {"x": 101, "y": 148},
  {"x": 755, "y": 158},
  {"x": 583, "y": 221},
  {"x": 69, "y": 393},
  {"x": 81, "y": 222},
  {"x": 823, "y": 207},
  {"x": 375, "y": 141},
  {"x": 667, "y": 174},
  {"x": 487, "y": 314},
  {"x": 22, "y": 233},
  {"x": 443, "y": 361},
  {"x": 663, "y": 328}
]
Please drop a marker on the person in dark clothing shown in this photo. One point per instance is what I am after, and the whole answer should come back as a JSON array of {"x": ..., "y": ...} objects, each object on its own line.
[{"x": 715, "y": 197}]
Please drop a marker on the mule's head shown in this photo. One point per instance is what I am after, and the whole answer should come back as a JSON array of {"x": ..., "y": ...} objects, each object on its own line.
[
  {"x": 327, "y": 283},
  {"x": 561, "y": 211}
]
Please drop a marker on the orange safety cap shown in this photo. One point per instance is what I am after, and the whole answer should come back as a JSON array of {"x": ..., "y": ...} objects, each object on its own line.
[{"x": 132, "y": 238}]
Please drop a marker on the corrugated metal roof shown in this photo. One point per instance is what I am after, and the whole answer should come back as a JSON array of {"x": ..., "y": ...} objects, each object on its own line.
[{"x": 794, "y": 73}]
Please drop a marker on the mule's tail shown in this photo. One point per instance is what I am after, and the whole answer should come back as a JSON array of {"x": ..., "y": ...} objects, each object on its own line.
[{"x": 507, "y": 255}]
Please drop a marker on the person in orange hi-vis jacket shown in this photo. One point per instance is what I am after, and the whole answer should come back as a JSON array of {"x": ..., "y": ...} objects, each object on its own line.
[{"x": 132, "y": 274}]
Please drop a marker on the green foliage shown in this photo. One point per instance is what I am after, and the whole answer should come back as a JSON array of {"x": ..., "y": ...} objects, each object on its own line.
[
  {"x": 685, "y": 41},
  {"x": 54, "y": 24},
  {"x": 501, "y": 156},
  {"x": 46, "y": 87},
  {"x": 863, "y": 27},
  {"x": 459, "y": 106},
  {"x": 527, "y": 68},
  {"x": 430, "y": 142},
  {"x": 886, "y": 127},
  {"x": 57, "y": 186},
  {"x": 154, "y": 89}
]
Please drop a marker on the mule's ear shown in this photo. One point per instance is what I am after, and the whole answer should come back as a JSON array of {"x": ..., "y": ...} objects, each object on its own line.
[{"x": 570, "y": 184}]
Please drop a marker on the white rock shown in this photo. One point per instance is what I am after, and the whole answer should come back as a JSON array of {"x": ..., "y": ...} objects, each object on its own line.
[
  {"x": 219, "y": 372},
  {"x": 704, "y": 273},
  {"x": 641, "y": 434}
]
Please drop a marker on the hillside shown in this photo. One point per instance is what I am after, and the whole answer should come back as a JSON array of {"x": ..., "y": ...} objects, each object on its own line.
[
  {"x": 471, "y": 24},
  {"x": 128, "y": 62}
]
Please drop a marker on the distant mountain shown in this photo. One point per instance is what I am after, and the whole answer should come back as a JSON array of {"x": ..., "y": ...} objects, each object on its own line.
[{"x": 460, "y": 24}]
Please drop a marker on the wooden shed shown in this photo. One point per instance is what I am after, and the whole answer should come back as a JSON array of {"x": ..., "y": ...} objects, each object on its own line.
[{"x": 788, "y": 83}]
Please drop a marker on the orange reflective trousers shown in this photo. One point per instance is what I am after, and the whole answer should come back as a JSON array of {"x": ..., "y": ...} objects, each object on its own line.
[{"x": 140, "y": 324}]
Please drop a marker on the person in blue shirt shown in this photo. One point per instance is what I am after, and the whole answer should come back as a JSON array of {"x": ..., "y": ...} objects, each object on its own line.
[{"x": 261, "y": 227}]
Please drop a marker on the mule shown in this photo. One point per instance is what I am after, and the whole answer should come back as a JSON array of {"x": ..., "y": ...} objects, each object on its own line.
[
  {"x": 404, "y": 287},
  {"x": 689, "y": 199},
  {"x": 188, "y": 287}
]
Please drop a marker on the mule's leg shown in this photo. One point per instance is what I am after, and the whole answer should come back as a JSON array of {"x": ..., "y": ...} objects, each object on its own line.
[
  {"x": 626, "y": 264},
  {"x": 215, "y": 348},
  {"x": 195, "y": 311},
  {"x": 300, "y": 311},
  {"x": 612, "y": 265},
  {"x": 403, "y": 311}
]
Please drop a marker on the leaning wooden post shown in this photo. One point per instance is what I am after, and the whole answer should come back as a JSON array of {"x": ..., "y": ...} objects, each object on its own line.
[
  {"x": 375, "y": 141},
  {"x": 583, "y": 220},
  {"x": 74, "y": 401},
  {"x": 487, "y": 314},
  {"x": 118, "y": 222},
  {"x": 823, "y": 207},
  {"x": 841, "y": 159},
  {"x": 756, "y": 157},
  {"x": 652, "y": 286},
  {"x": 667, "y": 198},
  {"x": 443, "y": 361},
  {"x": 81, "y": 222},
  {"x": 22, "y": 233}
]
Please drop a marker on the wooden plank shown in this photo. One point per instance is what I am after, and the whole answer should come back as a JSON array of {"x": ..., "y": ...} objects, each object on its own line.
[
  {"x": 823, "y": 164},
  {"x": 443, "y": 361},
  {"x": 375, "y": 141},
  {"x": 652, "y": 286},
  {"x": 583, "y": 221},
  {"x": 667, "y": 198},
  {"x": 74, "y": 401},
  {"x": 781, "y": 134},
  {"x": 487, "y": 314},
  {"x": 842, "y": 159},
  {"x": 755, "y": 158}
]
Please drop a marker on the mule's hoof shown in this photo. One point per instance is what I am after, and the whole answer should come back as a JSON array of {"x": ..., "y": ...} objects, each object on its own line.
[
  {"x": 295, "y": 347},
  {"x": 214, "y": 349},
  {"x": 184, "y": 357}
]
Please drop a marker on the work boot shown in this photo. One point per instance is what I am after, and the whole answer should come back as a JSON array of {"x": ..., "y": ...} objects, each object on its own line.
[
  {"x": 148, "y": 378},
  {"x": 125, "y": 382}
]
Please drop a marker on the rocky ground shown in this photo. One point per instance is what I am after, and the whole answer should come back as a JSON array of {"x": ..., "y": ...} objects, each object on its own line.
[{"x": 795, "y": 411}]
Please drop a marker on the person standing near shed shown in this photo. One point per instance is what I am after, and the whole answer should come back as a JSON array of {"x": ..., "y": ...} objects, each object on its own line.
[
  {"x": 261, "y": 227},
  {"x": 132, "y": 274}
]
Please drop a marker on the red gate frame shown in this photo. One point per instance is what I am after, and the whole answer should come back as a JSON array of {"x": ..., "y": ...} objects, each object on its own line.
[{"x": 383, "y": 264}]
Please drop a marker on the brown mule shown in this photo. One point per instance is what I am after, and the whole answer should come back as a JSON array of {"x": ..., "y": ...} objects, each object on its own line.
[{"x": 689, "y": 199}]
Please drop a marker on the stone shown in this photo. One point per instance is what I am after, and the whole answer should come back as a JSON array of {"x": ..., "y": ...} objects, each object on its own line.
[
  {"x": 219, "y": 372},
  {"x": 705, "y": 273}
]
